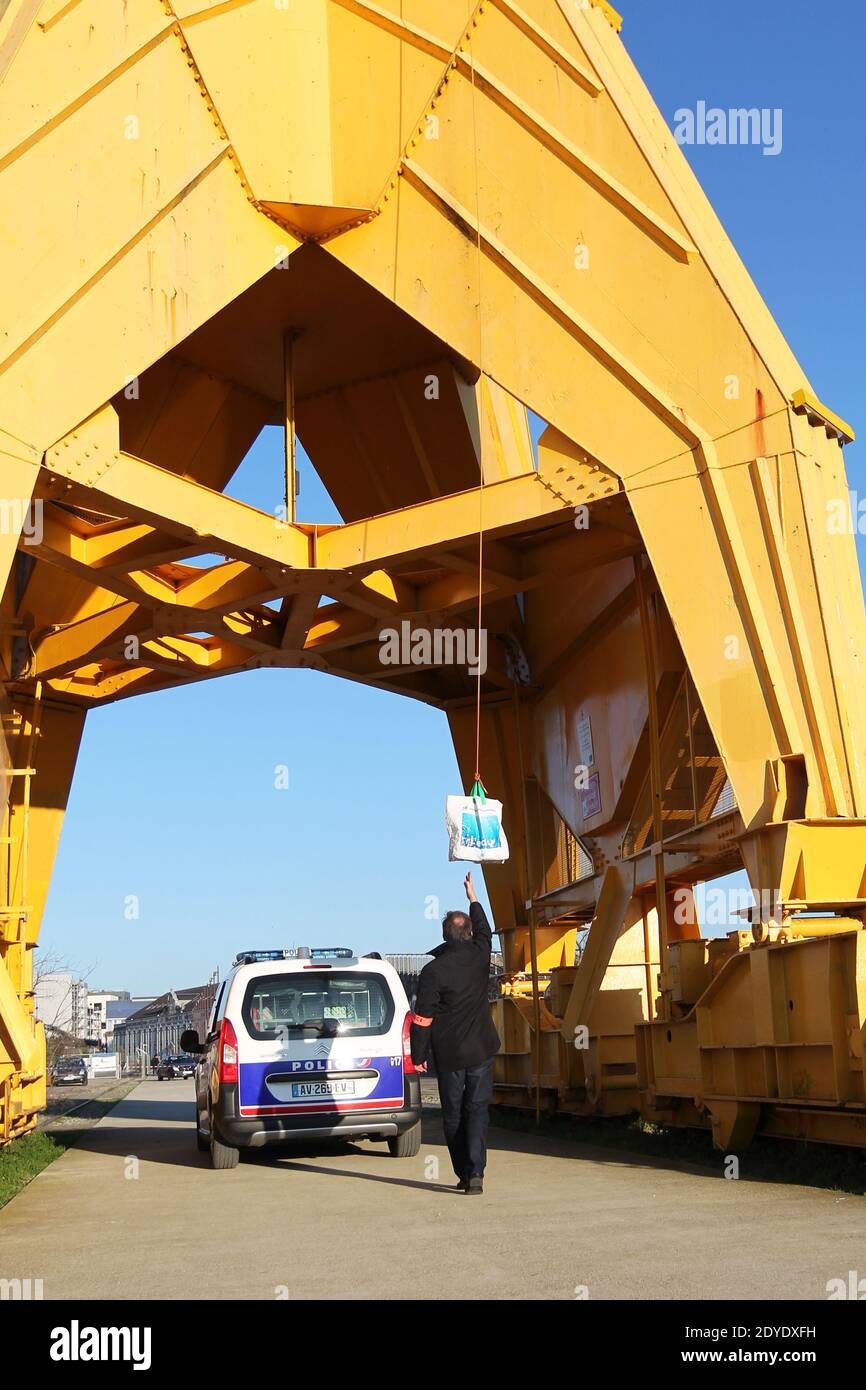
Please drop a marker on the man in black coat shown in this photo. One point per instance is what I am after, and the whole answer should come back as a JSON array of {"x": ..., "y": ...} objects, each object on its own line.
[{"x": 452, "y": 1018}]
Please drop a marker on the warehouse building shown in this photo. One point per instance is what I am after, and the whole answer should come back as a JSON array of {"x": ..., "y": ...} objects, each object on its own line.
[{"x": 155, "y": 1030}]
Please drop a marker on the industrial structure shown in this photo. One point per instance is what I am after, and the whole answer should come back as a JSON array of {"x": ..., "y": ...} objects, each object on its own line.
[
  {"x": 394, "y": 227},
  {"x": 154, "y": 1029}
]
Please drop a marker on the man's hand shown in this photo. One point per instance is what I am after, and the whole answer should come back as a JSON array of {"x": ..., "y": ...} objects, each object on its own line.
[{"x": 470, "y": 891}]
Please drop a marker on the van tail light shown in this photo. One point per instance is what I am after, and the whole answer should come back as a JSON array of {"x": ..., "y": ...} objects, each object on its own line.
[
  {"x": 409, "y": 1067},
  {"x": 228, "y": 1054}
]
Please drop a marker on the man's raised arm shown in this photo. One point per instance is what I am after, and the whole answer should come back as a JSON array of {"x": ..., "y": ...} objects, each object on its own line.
[{"x": 480, "y": 926}]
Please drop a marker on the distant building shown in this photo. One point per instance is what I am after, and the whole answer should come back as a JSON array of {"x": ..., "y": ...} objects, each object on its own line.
[
  {"x": 97, "y": 1001},
  {"x": 155, "y": 1029},
  {"x": 116, "y": 1010},
  {"x": 61, "y": 1003}
]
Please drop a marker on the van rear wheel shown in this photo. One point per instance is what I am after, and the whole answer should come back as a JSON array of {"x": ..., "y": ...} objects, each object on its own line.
[
  {"x": 222, "y": 1155},
  {"x": 407, "y": 1144}
]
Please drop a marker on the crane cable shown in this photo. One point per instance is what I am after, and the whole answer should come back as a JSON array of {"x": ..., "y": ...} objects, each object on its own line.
[{"x": 478, "y": 784}]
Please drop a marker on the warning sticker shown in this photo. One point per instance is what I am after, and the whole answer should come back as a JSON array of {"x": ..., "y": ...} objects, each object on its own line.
[
  {"x": 590, "y": 798},
  {"x": 584, "y": 741}
]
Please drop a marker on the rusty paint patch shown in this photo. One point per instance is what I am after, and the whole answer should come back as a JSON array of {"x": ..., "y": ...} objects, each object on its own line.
[{"x": 760, "y": 413}]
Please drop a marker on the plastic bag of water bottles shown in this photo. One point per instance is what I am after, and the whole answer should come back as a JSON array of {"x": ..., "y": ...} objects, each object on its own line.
[{"x": 475, "y": 827}]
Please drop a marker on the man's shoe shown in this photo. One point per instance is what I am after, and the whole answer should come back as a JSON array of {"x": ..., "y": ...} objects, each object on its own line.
[{"x": 474, "y": 1187}]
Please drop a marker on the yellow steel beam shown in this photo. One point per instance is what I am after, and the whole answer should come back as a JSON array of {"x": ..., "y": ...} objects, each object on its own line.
[
  {"x": 189, "y": 510},
  {"x": 514, "y": 504},
  {"x": 574, "y": 158}
]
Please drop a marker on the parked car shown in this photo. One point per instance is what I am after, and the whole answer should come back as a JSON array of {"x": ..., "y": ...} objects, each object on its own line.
[
  {"x": 170, "y": 1067},
  {"x": 68, "y": 1071},
  {"x": 303, "y": 1045}
]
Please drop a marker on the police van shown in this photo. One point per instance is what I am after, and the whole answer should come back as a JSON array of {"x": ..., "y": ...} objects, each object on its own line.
[{"x": 306, "y": 1044}]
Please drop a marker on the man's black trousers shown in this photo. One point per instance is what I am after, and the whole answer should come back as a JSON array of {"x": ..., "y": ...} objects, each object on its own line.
[{"x": 465, "y": 1097}]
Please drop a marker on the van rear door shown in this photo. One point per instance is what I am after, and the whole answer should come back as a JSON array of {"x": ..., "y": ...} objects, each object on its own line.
[{"x": 319, "y": 1039}]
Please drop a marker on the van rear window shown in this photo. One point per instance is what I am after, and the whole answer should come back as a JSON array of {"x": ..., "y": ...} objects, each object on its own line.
[{"x": 319, "y": 1003}]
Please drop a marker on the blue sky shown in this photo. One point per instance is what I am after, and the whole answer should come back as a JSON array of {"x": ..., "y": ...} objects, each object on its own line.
[{"x": 174, "y": 799}]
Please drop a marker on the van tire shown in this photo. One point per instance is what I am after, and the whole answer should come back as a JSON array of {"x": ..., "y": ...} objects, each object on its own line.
[
  {"x": 407, "y": 1144},
  {"x": 222, "y": 1155}
]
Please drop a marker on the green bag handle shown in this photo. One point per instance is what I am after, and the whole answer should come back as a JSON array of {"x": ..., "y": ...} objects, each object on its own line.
[{"x": 478, "y": 791}]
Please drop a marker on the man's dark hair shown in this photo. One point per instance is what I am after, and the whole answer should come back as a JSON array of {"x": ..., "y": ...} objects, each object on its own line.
[{"x": 456, "y": 926}]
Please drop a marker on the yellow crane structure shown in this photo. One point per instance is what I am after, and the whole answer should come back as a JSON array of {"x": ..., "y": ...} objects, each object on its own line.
[{"x": 394, "y": 228}]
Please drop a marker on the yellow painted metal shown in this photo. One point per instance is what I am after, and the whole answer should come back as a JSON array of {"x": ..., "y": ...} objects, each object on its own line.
[
  {"x": 777, "y": 1035},
  {"x": 45, "y": 734},
  {"x": 804, "y": 402},
  {"x": 454, "y": 213}
]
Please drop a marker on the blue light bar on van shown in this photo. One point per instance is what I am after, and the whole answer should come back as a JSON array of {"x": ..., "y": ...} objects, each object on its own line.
[{"x": 295, "y": 953}]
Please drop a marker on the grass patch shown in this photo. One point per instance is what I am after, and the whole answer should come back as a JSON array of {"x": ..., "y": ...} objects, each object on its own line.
[
  {"x": 767, "y": 1160},
  {"x": 21, "y": 1160}
]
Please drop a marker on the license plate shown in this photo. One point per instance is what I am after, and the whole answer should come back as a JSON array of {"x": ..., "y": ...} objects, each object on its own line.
[{"x": 306, "y": 1090}]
